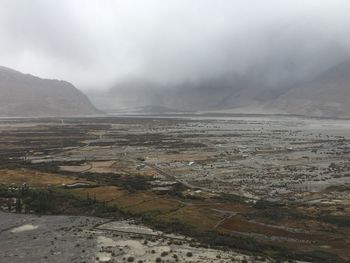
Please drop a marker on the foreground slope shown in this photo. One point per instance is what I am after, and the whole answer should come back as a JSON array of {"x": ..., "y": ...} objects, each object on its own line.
[{"x": 27, "y": 95}]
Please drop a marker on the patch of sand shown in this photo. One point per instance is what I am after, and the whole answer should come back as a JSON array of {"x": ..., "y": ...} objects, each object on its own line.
[
  {"x": 24, "y": 228},
  {"x": 134, "y": 246}
]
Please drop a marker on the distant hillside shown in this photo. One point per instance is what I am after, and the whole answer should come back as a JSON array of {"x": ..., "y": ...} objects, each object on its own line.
[
  {"x": 260, "y": 90},
  {"x": 223, "y": 92},
  {"x": 327, "y": 95},
  {"x": 26, "y": 95}
]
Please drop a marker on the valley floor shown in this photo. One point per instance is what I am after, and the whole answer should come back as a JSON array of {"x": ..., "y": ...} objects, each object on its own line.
[{"x": 268, "y": 187}]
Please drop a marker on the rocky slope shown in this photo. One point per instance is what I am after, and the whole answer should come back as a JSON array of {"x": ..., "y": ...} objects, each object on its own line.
[
  {"x": 26, "y": 96},
  {"x": 327, "y": 95}
]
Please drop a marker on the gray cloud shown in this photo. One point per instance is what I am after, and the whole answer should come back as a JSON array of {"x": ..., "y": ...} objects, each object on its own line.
[{"x": 96, "y": 43}]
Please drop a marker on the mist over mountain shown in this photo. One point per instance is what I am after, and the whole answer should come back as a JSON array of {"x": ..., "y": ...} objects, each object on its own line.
[
  {"x": 186, "y": 55},
  {"x": 325, "y": 93},
  {"x": 328, "y": 94},
  {"x": 24, "y": 95},
  {"x": 297, "y": 54}
]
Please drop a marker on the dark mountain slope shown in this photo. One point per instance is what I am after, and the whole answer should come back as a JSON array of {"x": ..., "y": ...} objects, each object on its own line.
[{"x": 26, "y": 95}]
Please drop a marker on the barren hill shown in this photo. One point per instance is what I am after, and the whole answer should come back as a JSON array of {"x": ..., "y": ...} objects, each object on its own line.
[
  {"x": 26, "y": 95},
  {"x": 326, "y": 95}
]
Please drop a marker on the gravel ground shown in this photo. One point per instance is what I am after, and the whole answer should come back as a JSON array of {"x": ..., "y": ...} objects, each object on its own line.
[{"x": 31, "y": 238}]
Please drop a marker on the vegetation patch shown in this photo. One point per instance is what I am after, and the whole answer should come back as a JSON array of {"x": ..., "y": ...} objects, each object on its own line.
[{"x": 33, "y": 178}]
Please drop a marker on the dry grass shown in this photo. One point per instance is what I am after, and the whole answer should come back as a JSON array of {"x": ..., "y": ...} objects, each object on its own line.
[
  {"x": 133, "y": 199},
  {"x": 33, "y": 178},
  {"x": 135, "y": 203},
  {"x": 201, "y": 219},
  {"x": 102, "y": 194},
  {"x": 238, "y": 224},
  {"x": 161, "y": 205}
]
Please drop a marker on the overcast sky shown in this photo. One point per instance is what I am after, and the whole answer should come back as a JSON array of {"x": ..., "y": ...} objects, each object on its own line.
[{"x": 95, "y": 43}]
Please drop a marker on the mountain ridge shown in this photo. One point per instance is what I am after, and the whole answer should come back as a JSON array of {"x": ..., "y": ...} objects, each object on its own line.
[
  {"x": 26, "y": 95},
  {"x": 326, "y": 94}
]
